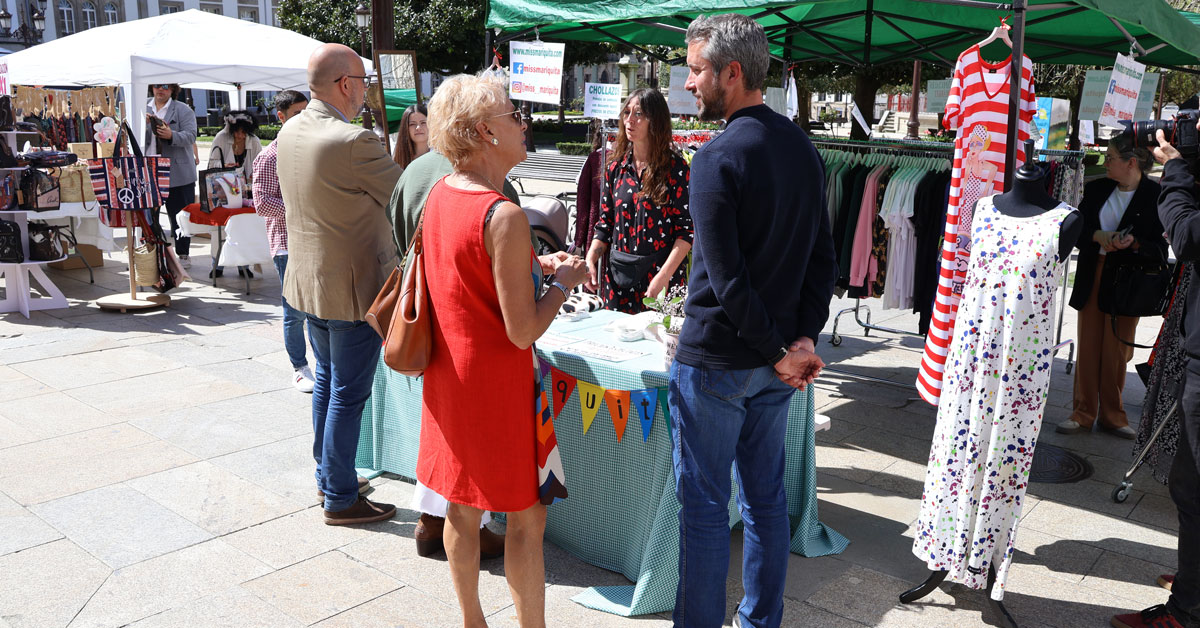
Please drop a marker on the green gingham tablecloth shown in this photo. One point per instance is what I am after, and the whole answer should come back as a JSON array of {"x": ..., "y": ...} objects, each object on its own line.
[{"x": 622, "y": 513}]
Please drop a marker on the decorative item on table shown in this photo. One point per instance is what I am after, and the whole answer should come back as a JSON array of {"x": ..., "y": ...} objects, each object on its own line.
[
  {"x": 221, "y": 187},
  {"x": 75, "y": 184},
  {"x": 669, "y": 305},
  {"x": 48, "y": 243},
  {"x": 107, "y": 130},
  {"x": 39, "y": 191},
  {"x": 581, "y": 302},
  {"x": 11, "y": 251}
]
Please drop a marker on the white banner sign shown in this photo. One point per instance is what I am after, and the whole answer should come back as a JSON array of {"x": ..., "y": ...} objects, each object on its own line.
[
  {"x": 602, "y": 100},
  {"x": 5, "y": 90},
  {"x": 679, "y": 100},
  {"x": 1145, "y": 104},
  {"x": 1095, "y": 86},
  {"x": 1087, "y": 133},
  {"x": 535, "y": 71},
  {"x": 1120, "y": 102},
  {"x": 938, "y": 92}
]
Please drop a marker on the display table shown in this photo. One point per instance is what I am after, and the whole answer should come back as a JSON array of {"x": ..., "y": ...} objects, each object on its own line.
[
  {"x": 218, "y": 218},
  {"x": 19, "y": 279},
  {"x": 622, "y": 513}
]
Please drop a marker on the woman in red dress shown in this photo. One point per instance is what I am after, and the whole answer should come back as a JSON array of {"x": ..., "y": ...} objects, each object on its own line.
[
  {"x": 484, "y": 282},
  {"x": 644, "y": 215}
]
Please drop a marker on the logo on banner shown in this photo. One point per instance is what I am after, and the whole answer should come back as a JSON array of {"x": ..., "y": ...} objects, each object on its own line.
[{"x": 518, "y": 68}]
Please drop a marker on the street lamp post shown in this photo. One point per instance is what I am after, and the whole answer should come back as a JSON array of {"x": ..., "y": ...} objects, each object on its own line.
[
  {"x": 362, "y": 17},
  {"x": 29, "y": 31}
]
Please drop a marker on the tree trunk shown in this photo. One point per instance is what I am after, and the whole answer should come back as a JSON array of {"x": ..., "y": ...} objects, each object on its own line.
[
  {"x": 562, "y": 100},
  {"x": 865, "y": 88}
]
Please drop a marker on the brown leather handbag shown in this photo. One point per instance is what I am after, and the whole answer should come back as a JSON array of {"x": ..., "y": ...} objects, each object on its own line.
[{"x": 401, "y": 313}]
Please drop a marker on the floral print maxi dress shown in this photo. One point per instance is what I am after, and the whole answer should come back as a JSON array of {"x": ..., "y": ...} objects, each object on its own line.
[
  {"x": 996, "y": 379},
  {"x": 629, "y": 221}
]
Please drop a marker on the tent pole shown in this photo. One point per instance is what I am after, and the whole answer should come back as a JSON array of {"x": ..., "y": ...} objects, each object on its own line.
[
  {"x": 870, "y": 18},
  {"x": 914, "y": 120},
  {"x": 1016, "y": 69}
]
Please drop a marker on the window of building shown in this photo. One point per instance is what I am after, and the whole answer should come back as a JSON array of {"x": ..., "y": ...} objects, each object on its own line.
[
  {"x": 110, "y": 14},
  {"x": 211, "y": 8},
  {"x": 250, "y": 15},
  {"x": 66, "y": 17},
  {"x": 89, "y": 15},
  {"x": 165, "y": 8}
]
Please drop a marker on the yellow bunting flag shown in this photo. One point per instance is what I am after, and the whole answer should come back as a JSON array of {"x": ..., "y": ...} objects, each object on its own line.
[
  {"x": 590, "y": 396},
  {"x": 618, "y": 407},
  {"x": 564, "y": 385}
]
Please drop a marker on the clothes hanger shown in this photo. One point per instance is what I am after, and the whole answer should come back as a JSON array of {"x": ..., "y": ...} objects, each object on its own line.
[{"x": 998, "y": 33}]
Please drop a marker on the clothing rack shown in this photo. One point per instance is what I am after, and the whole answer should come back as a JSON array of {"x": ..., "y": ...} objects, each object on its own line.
[{"x": 939, "y": 149}]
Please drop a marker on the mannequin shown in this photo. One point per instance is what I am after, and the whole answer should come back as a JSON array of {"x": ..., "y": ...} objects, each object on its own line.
[{"x": 1027, "y": 198}]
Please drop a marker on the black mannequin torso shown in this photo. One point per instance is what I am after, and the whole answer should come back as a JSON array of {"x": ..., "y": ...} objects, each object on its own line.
[{"x": 1028, "y": 198}]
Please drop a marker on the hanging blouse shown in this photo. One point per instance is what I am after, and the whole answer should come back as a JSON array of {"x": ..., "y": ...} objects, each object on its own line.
[{"x": 978, "y": 109}]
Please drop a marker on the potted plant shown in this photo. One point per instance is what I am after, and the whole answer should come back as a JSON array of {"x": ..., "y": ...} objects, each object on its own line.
[{"x": 669, "y": 305}]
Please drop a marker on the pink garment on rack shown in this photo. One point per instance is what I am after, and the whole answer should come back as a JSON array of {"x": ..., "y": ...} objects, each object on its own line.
[{"x": 863, "y": 265}]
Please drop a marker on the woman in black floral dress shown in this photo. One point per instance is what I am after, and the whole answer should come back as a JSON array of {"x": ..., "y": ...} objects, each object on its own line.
[{"x": 644, "y": 210}]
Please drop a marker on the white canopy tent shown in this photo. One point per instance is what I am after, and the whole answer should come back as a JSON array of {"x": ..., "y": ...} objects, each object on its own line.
[{"x": 192, "y": 48}]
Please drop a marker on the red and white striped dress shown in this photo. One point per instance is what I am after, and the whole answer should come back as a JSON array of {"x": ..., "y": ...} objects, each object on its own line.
[{"x": 978, "y": 109}]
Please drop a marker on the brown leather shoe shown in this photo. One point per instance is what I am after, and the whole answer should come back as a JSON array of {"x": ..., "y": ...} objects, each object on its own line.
[
  {"x": 363, "y": 485},
  {"x": 491, "y": 545},
  {"x": 363, "y": 511},
  {"x": 428, "y": 534}
]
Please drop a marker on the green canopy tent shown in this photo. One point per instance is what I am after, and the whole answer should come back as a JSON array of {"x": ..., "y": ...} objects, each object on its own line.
[
  {"x": 397, "y": 100},
  {"x": 875, "y": 32}
]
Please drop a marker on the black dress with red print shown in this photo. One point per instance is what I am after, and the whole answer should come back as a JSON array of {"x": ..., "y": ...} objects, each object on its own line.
[{"x": 631, "y": 222}]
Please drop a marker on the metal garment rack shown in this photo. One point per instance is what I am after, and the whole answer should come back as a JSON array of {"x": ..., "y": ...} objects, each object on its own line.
[{"x": 862, "y": 310}]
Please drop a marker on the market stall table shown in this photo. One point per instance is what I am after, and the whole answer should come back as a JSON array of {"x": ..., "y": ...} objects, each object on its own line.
[
  {"x": 622, "y": 513},
  {"x": 216, "y": 218}
]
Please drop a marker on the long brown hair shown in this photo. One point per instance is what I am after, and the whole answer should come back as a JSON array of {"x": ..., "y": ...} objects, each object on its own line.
[
  {"x": 658, "y": 162},
  {"x": 406, "y": 148}
]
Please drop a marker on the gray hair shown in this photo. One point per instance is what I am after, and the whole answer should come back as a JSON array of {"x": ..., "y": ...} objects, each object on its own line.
[{"x": 733, "y": 37}]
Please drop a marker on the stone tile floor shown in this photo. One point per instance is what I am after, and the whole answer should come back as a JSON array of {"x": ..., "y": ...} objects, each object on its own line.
[{"x": 154, "y": 472}]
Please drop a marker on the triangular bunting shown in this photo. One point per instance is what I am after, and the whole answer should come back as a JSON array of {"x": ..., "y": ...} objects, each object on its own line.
[
  {"x": 618, "y": 407},
  {"x": 666, "y": 409},
  {"x": 564, "y": 385},
  {"x": 543, "y": 367},
  {"x": 645, "y": 406},
  {"x": 590, "y": 396}
]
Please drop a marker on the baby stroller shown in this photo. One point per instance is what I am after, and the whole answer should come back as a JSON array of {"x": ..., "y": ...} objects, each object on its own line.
[{"x": 549, "y": 219}]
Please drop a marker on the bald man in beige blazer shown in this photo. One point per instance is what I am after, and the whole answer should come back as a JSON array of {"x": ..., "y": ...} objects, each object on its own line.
[{"x": 336, "y": 178}]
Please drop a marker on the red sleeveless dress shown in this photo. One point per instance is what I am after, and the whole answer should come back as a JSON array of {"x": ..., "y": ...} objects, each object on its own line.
[{"x": 478, "y": 440}]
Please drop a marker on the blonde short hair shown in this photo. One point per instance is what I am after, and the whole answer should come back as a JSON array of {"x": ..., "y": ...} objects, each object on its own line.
[{"x": 460, "y": 103}]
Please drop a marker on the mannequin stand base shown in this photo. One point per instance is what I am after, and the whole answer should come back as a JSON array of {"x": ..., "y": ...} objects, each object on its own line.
[
  {"x": 123, "y": 303},
  {"x": 937, "y": 577}
]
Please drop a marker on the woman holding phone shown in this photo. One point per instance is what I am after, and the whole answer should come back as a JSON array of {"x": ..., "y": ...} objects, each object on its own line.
[{"x": 1120, "y": 218}]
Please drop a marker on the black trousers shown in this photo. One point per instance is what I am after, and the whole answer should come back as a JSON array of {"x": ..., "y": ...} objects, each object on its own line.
[
  {"x": 180, "y": 197},
  {"x": 1185, "y": 491}
]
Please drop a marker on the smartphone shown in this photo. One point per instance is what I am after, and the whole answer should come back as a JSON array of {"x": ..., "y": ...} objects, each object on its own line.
[{"x": 1126, "y": 231}]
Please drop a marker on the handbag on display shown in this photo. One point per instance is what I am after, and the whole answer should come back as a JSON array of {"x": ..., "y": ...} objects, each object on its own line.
[
  {"x": 400, "y": 313},
  {"x": 8, "y": 190},
  {"x": 11, "y": 251},
  {"x": 48, "y": 158},
  {"x": 39, "y": 191},
  {"x": 130, "y": 182},
  {"x": 221, "y": 187},
  {"x": 48, "y": 243},
  {"x": 75, "y": 184},
  {"x": 1135, "y": 285}
]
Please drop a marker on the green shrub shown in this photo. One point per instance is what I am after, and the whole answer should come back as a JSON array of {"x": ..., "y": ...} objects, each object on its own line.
[
  {"x": 265, "y": 132},
  {"x": 574, "y": 148},
  {"x": 693, "y": 125}
]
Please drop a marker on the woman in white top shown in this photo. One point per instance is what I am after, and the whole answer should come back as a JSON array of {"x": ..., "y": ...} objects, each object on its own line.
[{"x": 1120, "y": 218}]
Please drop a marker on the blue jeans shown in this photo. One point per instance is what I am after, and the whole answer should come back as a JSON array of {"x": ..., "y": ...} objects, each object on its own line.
[
  {"x": 346, "y": 354},
  {"x": 293, "y": 322},
  {"x": 727, "y": 418}
]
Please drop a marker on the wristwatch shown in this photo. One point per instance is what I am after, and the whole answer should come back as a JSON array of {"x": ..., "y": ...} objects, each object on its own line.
[
  {"x": 558, "y": 284},
  {"x": 783, "y": 351}
]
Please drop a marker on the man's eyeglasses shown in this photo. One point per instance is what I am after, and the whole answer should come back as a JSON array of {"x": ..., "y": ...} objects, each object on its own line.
[
  {"x": 515, "y": 114},
  {"x": 365, "y": 79}
]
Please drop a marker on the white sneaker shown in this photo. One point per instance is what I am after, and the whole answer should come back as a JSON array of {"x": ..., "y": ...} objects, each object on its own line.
[
  {"x": 185, "y": 261},
  {"x": 303, "y": 380}
]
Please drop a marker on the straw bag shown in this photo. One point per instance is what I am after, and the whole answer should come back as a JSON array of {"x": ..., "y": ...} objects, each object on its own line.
[
  {"x": 401, "y": 314},
  {"x": 145, "y": 264},
  {"x": 75, "y": 185}
]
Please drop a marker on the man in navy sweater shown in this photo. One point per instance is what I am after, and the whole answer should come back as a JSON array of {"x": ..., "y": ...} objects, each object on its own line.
[{"x": 763, "y": 271}]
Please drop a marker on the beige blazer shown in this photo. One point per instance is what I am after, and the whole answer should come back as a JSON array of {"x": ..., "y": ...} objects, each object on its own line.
[{"x": 336, "y": 179}]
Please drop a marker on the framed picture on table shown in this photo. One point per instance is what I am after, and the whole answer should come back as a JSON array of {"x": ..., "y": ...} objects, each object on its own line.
[{"x": 396, "y": 84}]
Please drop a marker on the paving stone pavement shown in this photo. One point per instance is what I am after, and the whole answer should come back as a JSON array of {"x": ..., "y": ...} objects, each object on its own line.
[{"x": 154, "y": 472}]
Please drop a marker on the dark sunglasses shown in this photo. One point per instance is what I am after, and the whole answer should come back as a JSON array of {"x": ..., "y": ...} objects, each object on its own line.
[{"x": 161, "y": 86}]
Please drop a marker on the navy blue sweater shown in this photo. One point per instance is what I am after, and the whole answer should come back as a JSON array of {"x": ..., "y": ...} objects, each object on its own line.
[{"x": 763, "y": 265}]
